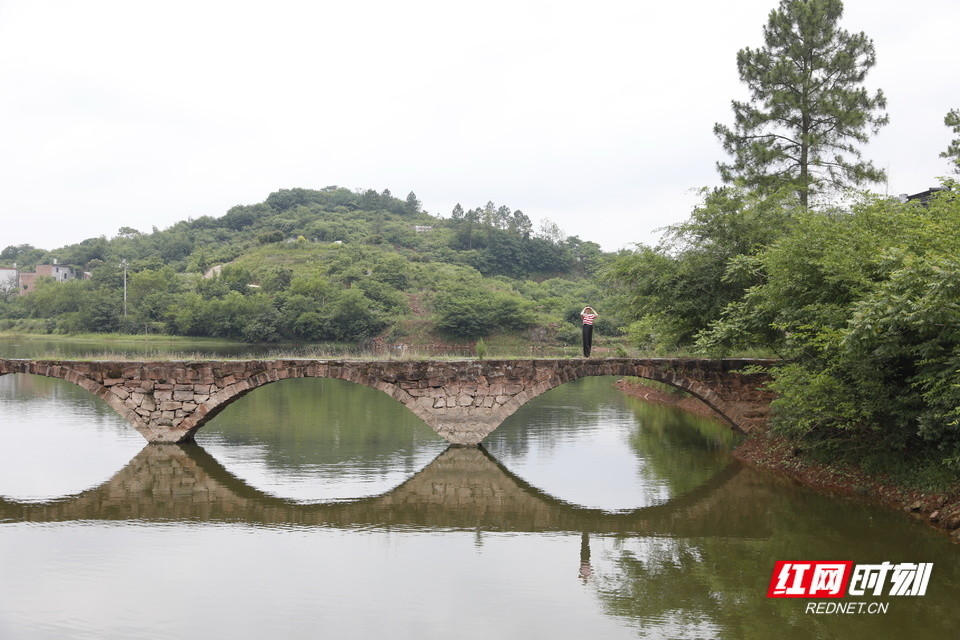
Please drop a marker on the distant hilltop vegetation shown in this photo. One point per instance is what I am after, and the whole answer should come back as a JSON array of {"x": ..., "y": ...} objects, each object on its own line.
[{"x": 316, "y": 265}]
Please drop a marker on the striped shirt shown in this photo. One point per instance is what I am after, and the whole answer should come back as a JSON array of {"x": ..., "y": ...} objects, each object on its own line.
[{"x": 588, "y": 318}]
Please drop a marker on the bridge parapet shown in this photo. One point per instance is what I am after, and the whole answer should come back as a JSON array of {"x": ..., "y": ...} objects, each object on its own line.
[{"x": 463, "y": 401}]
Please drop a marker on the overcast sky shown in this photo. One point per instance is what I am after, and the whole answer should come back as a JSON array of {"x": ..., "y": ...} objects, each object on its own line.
[{"x": 598, "y": 115}]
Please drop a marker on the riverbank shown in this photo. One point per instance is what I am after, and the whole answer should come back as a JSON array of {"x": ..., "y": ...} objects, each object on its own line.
[{"x": 940, "y": 510}]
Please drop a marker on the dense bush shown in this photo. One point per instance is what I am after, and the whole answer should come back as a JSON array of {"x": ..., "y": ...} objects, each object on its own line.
[
  {"x": 865, "y": 307},
  {"x": 474, "y": 311}
]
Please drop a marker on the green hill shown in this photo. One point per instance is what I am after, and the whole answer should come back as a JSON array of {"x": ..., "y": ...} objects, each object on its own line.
[{"x": 323, "y": 265}]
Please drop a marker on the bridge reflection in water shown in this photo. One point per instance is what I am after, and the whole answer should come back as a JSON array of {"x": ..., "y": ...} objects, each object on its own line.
[{"x": 463, "y": 488}]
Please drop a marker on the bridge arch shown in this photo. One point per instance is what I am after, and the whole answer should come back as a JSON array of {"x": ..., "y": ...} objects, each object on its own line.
[
  {"x": 66, "y": 372},
  {"x": 223, "y": 398},
  {"x": 692, "y": 386}
]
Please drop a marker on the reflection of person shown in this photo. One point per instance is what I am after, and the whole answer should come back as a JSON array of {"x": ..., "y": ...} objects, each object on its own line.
[
  {"x": 588, "y": 315},
  {"x": 585, "y": 569}
]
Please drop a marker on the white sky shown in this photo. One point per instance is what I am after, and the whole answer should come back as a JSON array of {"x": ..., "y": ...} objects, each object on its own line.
[{"x": 596, "y": 115}]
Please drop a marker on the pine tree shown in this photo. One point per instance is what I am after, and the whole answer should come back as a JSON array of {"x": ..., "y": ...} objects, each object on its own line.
[
  {"x": 413, "y": 205},
  {"x": 807, "y": 109},
  {"x": 952, "y": 120}
]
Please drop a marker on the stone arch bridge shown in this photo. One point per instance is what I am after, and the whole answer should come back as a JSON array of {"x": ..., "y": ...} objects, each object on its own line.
[{"x": 463, "y": 401}]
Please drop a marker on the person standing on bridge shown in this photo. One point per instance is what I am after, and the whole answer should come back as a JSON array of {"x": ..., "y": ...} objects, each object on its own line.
[{"x": 588, "y": 315}]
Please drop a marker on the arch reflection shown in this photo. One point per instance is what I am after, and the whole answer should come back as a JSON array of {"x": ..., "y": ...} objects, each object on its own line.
[
  {"x": 462, "y": 488},
  {"x": 314, "y": 440},
  {"x": 587, "y": 443},
  {"x": 47, "y": 425}
]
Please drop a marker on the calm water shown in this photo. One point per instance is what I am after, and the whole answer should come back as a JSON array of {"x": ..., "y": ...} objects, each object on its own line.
[{"x": 318, "y": 508}]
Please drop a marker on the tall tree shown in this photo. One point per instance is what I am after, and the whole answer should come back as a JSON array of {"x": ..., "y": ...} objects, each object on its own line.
[
  {"x": 808, "y": 109},
  {"x": 952, "y": 120},
  {"x": 413, "y": 205},
  {"x": 520, "y": 224}
]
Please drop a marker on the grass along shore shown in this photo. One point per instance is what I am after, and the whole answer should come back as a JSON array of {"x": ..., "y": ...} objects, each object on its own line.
[{"x": 506, "y": 346}]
